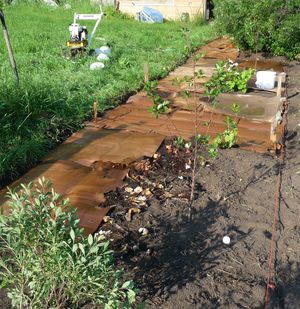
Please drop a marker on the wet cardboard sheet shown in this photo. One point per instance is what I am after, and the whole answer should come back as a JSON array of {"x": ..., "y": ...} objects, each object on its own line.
[
  {"x": 95, "y": 160},
  {"x": 89, "y": 164},
  {"x": 84, "y": 186},
  {"x": 117, "y": 146}
]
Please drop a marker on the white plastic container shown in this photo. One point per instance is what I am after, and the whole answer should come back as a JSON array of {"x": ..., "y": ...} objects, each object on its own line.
[
  {"x": 105, "y": 50},
  {"x": 265, "y": 79},
  {"x": 102, "y": 57},
  {"x": 97, "y": 66}
]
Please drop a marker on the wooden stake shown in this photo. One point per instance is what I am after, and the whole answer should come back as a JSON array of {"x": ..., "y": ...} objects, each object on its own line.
[
  {"x": 8, "y": 45},
  {"x": 95, "y": 111},
  {"x": 279, "y": 85},
  {"x": 146, "y": 73}
]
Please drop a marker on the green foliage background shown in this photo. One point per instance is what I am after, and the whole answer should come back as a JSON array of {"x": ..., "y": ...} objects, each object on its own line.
[{"x": 263, "y": 25}]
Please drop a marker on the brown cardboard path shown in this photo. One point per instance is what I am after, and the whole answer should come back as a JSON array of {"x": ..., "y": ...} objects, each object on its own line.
[{"x": 95, "y": 160}]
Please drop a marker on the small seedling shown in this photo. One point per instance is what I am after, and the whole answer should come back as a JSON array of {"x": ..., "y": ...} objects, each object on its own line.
[
  {"x": 160, "y": 105},
  {"x": 179, "y": 142}
]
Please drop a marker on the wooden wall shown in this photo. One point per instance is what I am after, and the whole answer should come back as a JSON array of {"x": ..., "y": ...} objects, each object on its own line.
[{"x": 171, "y": 9}]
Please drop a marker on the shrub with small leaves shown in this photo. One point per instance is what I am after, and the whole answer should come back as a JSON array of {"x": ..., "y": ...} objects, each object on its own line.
[
  {"x": 45, "y": 260},
  {"x": 227, "y": 78},
  {"x": 261, "y": 25}
]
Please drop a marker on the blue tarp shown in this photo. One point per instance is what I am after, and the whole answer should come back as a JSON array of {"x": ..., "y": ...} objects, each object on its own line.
[{"x": 149, "y": 15}]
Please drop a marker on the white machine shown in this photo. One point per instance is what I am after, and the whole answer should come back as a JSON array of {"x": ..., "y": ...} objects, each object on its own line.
[{"x": 79, "y": 39}]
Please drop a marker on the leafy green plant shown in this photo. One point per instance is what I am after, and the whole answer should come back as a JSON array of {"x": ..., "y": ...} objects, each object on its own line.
[
  {"x": 160, "y": 105},
  {"x": 178, "y": 142},
  {"x": 261, "y": 25},
  {"x": 227, "y": 139},
  {"x": 46, "y": 262},
  {"x": 227, "y": 78}
]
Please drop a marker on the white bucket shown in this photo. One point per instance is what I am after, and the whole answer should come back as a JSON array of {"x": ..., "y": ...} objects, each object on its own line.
[{"x": 265, "y": 79}]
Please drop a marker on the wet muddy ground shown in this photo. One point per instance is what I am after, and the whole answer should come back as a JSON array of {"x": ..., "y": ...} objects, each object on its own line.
[{"x": 178, "y": 259}]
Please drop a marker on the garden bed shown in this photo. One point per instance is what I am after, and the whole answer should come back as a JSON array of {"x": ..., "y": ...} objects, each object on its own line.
[
  {"x": 173, "y": 250},
  {"x": 181, "y": 262}
]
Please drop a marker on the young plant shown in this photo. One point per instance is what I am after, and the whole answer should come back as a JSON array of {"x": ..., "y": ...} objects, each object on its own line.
[
  {"x": 227, "y": 78},
  {"x": 160, "y": 105},
  {"x": 228, "y": 138},
  {"x": 179, "y": 142},
  {"x": 46, "y": 262}
]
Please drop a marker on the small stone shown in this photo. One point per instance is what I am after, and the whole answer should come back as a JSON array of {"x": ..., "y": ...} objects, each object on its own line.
[
  {"x": 174, "y": 288},
  {"x": 144, "y": 231},
  {"x": 187, "y": 166}
]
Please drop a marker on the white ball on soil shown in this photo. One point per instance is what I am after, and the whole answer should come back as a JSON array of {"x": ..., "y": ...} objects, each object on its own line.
[{"x": 226, "y": 240}]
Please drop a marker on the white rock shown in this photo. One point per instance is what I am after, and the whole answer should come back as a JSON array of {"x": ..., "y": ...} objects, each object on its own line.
[
  {"x": 102, "y": 57},
  {"x": 187, "y": 166},
  {"x": 226, "y": 240},
  {"x": 97, "y": 66},
  {"x": 143, "y": 231}
]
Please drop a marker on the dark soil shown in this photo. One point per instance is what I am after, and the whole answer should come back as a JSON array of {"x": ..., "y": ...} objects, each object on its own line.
[{"x": 182, "y": 262}]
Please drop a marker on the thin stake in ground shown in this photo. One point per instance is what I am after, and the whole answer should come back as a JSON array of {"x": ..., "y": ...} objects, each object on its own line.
[{"x": 8, "y": 45}]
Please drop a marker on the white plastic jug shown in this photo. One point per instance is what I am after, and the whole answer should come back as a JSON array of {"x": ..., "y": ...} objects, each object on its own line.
[{"x": 265, "y": 79}]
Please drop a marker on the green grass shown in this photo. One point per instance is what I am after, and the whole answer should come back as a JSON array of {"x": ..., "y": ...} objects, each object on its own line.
[{"x": 55, "y": 94}]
